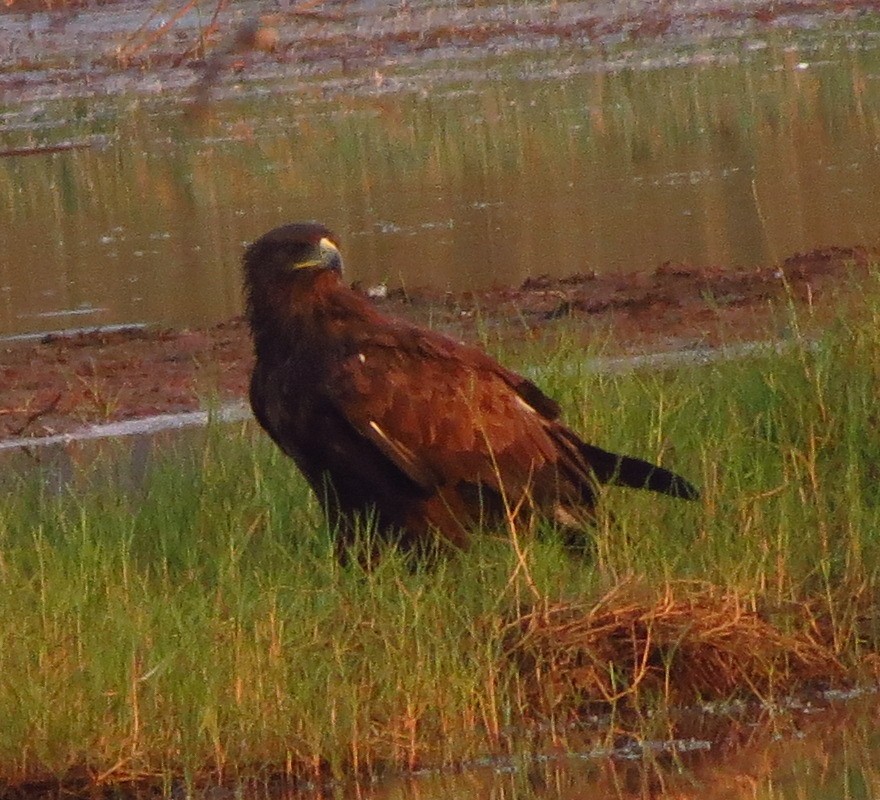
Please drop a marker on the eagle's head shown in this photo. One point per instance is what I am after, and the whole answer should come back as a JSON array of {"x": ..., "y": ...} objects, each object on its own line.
[
  {"x": 286, "y": 260},
  {"x": 293, "y": 247}
]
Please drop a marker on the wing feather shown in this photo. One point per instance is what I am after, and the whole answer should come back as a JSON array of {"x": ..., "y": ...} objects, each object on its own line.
[
  {"x": 414, "y": 467},
  {"x": 444, "y": 413}
]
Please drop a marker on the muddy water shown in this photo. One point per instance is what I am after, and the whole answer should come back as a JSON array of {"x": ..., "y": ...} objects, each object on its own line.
[
  {"x": 460, "y": 173},
  {"x": 819, "y": 750},
  {"x": 816, "y": 765}
]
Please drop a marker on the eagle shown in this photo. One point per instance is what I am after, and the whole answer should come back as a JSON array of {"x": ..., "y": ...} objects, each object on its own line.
[{"x": 400, "y": 426}]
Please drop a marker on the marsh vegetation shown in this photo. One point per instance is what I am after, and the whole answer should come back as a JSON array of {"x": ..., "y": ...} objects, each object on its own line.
[{"x": 201, "y": 626}]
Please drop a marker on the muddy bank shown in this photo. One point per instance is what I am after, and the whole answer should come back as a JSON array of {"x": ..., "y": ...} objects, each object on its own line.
[
  {"x": 60, "y": 383},
  {"x": 80, "y": 49}
]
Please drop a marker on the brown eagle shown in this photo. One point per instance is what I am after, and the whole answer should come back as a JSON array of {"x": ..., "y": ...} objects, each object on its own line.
[{"x": 402, "y": 425}]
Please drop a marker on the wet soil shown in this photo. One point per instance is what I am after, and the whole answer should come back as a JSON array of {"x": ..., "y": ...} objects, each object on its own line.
[
  {"x": 83, "y": 48},
  {"x": 60, "y": 383}
]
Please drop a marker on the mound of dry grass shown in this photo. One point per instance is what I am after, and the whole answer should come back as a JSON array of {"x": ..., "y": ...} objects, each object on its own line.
[{"x": 690, "y": 643}]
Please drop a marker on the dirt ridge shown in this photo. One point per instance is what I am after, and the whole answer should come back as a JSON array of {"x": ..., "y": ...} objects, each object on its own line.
[{"x": 58, "y": 384}]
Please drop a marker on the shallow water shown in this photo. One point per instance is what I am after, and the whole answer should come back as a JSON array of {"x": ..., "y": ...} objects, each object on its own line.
[
  {"x": 458, "y": 172},
  {"x": 807, "y": 750}
]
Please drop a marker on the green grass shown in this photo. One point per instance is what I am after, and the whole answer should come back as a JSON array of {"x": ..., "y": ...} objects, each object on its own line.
[{"x": 201, "y": 627}]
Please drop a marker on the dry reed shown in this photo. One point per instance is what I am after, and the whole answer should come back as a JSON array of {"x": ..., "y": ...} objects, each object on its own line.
[{"x": 691, "y": 642}]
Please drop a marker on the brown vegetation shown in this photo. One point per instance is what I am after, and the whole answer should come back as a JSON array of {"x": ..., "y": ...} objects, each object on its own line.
[{"x": 690, "y": 643}]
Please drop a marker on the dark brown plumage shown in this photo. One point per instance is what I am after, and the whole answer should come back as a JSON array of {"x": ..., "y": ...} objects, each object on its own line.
[{"x": 396, "y": 423}]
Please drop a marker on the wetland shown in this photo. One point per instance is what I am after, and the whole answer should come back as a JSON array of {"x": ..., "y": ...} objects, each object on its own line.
[{"x": 565, "y": 184}]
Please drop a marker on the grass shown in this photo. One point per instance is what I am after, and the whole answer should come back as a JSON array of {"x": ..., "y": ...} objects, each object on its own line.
[{"x": 200, "y": 626}]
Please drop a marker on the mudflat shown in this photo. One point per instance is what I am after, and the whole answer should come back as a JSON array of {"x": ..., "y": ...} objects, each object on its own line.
[{"x": 58, "y": 383}]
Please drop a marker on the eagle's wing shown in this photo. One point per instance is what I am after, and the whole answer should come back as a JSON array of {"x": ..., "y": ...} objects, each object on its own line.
[{"x": 444, "y": 413}]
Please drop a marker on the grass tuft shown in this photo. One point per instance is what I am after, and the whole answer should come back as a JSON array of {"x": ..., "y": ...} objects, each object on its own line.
[{"x": 686, "y": 643}]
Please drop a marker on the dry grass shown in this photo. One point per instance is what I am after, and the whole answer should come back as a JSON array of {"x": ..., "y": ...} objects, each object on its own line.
[{"x": 692, "y": 642}]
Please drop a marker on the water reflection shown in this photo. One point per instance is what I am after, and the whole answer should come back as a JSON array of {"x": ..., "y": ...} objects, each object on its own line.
[
  {"x": 554, "y": 165},
  {"x": 834, "y": 755}
]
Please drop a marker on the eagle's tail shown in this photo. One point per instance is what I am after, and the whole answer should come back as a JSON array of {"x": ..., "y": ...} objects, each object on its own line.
[{"x": 634, "y": 472}]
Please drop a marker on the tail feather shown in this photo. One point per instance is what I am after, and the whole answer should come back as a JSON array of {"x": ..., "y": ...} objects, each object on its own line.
[{"x": 619, "y": 470}]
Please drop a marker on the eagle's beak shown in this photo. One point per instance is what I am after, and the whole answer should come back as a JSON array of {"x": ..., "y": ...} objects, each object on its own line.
[
  {"x": 324, "y": 255},
  {"x": 330, "y": 256}
]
